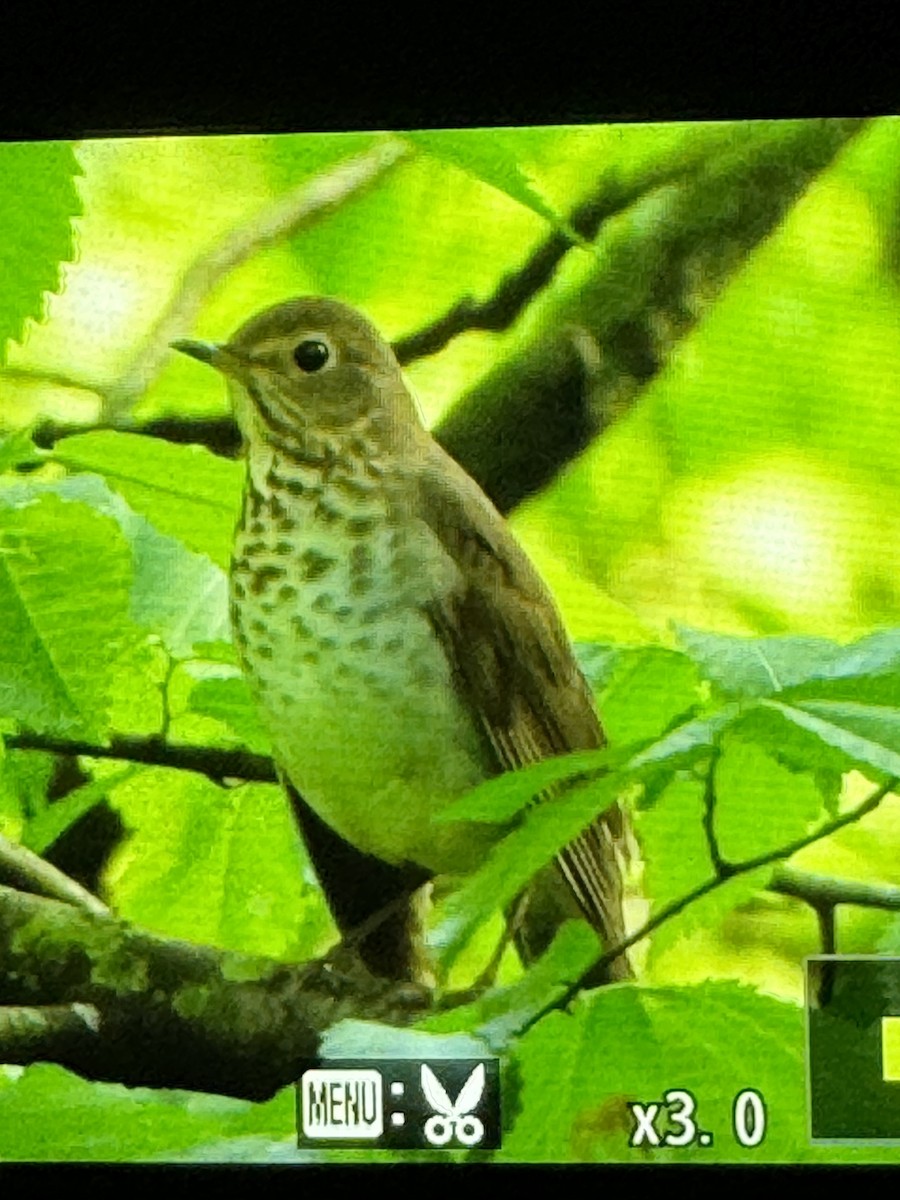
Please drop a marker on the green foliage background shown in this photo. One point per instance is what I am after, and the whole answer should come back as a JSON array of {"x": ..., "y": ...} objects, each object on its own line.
[{"x": 753, "y": 489}]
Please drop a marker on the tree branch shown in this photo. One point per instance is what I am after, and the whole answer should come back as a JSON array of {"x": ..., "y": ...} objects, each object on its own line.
[
  {"x": 826, "y": 889},
  {"x": 824, "y": 893},
  {"x": 217, "y": 765},
  {"x": 495, "y": 313},
  {"x": 285, "y": 216},
  {"x": 682, "y": 231},
  {"x": 163, "y": 1013},
  {"x": 720, "y": 866},
  {"x": 518, "y": 288},
  {"x": 593, "y": 348},
  {"x": 116, "y": 1003},
  {"x": 26, "y": 871}
]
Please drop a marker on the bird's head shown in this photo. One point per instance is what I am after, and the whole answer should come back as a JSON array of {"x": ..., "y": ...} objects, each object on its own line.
[{"x": 311, "y": 369}]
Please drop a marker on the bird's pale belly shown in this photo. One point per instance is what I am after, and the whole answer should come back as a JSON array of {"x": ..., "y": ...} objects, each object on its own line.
[{"x": 359, "y": 702}]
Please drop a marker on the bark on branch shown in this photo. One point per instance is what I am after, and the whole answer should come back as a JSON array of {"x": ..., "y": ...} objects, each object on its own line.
[{"x": 115, "y": 1003}]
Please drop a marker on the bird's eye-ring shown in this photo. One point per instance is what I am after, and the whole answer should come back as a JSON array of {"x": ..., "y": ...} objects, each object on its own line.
[{"x": 311, "y": 355}]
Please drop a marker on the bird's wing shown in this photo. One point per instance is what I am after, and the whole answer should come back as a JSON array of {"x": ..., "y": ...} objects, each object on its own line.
[{"x": 513, "y": 664}]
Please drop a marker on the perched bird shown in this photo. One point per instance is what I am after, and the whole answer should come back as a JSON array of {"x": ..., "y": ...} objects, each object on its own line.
[{"x": 399, "y": 643}]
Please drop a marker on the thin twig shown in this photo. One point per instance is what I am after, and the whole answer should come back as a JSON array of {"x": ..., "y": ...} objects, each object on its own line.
[
  {"x": 720, "y": 866},
  {"x": 25, "y": 871},
  {"x": 44, "y": 377},
  {"x": 710, "y": 885},
  {"x": 516, "y": 289},
  {"x": 827, "y": 927},
  {"x": 301, "y": 206}
]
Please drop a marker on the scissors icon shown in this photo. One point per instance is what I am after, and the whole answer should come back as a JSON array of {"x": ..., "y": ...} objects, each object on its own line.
[{"x": 451, "y": 1119}]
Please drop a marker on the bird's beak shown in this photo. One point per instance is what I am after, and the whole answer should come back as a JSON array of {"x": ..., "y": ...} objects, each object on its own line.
[{"x": 219, "y": 357}]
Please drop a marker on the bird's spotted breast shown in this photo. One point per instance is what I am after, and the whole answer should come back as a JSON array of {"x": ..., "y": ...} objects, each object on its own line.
[{"x": 356, "y": 693}]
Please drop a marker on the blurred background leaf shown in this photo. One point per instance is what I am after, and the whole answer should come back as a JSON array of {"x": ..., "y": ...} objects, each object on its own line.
[{"x": 38, "y": 199}]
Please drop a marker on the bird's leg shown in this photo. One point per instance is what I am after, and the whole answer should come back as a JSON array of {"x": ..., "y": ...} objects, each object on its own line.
[
  {"x": 400, "y": 906},
  {"x": 373, "y": 904}
]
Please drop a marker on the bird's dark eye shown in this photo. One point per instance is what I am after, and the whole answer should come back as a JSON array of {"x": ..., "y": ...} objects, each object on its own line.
[{"x": 311, "y": 355}]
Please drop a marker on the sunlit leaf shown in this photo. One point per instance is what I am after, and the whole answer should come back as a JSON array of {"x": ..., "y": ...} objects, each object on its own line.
[
  {"x": 229, "y": 701},
  {"x": 184, "y": 491},
  {"x": 216, "y": 865},
  {"x": 503, "y": 1013},
  {"x": 497, "y": 800},
  {"x": 176, "y": 594},
  {"x": 38, "y": 199},
  {"x": 16, "y": 449},
  {"x": 678, "y": 861},
  {"x": 107, "y": 1122},
  {"x": 760, "y": 805},
  {"x": 684, "y": 743},
  {"x": 65, "y": 583},
  {"x": 487, "y": 156},
  {"x": 751, "y": 667},
  {"x": 866, "y": 735},
  {"x": 647, "y": 690},
  {"x": 43, "y": 830},
  {"x": 630, "y": 1044}
]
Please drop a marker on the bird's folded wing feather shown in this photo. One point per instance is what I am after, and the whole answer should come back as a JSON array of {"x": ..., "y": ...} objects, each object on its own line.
[{"x": 514, "y": 666}]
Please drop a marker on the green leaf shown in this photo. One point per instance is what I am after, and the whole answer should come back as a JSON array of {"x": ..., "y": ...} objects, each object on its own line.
[
  {"x": 497, "y": 800},
  {"x": 673, "y": 844},
  {"x": 830, "y": 783},
  {"x": 597, "y": 662},
  {"x": 760, "y": 805},
  {"x": 866, "y": 735},
  {"x": 485, "y": 155},
  {"x": 877, "y": 654},
  {"x": 65, "y": 579},
  {"x": 43, "y": 830},
  {"x": 219, "y": 651},
  {"x": 623, "y": 1044},
  {"x": 677, "y": 862},
  {"x": 18, "y": 449},
  {"x": 546, "y": 830},
  {"x": 24, "y": 779},
  {"x": 686, "y": 742},
  {"x": 184, "y": 491},
  {"x": 176, "y": 594},
  {"x": 794, "y": 746},
  {"x": 38, "y": 200},
  {"x": 229, "y": 701},
  {"x": 878, "y": 690},
  {"x": 756, "y": 667},
  {"x": 502, "y": 1013},
  {"x": 107, "y": 1122},
  {"x": 648, "y": 689},
  {"x": 217, "y": 865},
  {"x": 878, "y": 722},
  {"x": 26, "y": 775}
]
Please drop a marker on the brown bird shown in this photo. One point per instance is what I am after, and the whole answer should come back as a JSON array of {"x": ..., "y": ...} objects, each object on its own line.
[{"x": 400, "y": 645}]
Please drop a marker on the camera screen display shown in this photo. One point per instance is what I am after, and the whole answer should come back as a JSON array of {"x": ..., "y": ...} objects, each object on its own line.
[{"x": 450, "y": 646}]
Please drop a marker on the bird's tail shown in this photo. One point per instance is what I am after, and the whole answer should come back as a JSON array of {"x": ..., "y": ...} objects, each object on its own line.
[{"x": 589, "y": 879}]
